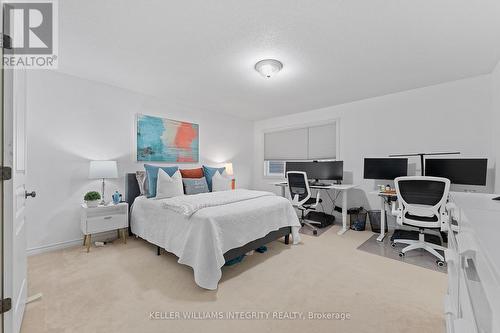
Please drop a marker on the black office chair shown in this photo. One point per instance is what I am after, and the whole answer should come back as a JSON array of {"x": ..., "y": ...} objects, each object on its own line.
[
  {"x": 422, "y": 202},
  {"x": 301, "y": 197}
]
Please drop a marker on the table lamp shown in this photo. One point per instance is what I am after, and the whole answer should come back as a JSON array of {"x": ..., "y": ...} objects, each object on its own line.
[
  {"x": 103, "y": 170},
  {"x": 229, "y": 171}
]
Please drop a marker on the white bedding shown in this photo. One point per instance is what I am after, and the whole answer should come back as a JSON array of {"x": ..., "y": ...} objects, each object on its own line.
[
  {"x": 201, "y": 240},
  {"x": 189, "y": 204}
]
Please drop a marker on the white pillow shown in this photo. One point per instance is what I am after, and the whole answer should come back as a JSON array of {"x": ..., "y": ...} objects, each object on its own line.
[
  {"x": 167, "y": 187},
  {"x": 221, "y": 182}
]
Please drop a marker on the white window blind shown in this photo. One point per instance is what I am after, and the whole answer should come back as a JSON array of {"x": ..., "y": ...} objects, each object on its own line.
[
  {"x": 322, "y": 142},
  {"x": 286, "y": 145},
  {"x": 308, "y": 143}
]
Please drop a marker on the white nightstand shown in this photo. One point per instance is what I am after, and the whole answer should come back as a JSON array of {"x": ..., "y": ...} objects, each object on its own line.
[{"x": 102, "y": 219}]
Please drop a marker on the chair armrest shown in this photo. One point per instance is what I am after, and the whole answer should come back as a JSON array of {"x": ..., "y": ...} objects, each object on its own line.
[
  {"x": 445, "y": 221},
  {"x": 317, "y": 201},
  {"x": 394, "y": 208},
  {"x": 399, "y": 216}
]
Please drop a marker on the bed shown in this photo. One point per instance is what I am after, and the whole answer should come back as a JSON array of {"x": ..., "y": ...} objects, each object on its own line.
[{"x": 206, "y": 230}]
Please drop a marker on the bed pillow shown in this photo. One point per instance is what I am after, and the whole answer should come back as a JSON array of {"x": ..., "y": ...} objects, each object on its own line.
[
  {"x": 221, "y": 182},
  {"x": 192, "y": 173},
  {"x": 152, "y": 174},
  {"x": 168, "y": 187},
  {"x": 195, "y": 185},
  {"x": 142, "y": 181},
  {"x": 209, "y": 172}
]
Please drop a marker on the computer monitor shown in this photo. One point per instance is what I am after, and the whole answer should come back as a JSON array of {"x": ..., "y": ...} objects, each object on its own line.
[
  {"x": 463, "y": 171},
  {"x": 385, "y": 168},
  {"x": 331, "y": 170}
]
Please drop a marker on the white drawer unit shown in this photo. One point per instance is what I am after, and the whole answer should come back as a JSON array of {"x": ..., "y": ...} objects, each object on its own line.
[
  {"x": 104, "y": 218},
  {"x": 472, "y": 304}
]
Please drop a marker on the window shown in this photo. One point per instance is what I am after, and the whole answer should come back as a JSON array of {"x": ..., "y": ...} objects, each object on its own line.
[
  {"x": 315, "y": 142},
  {"x": 274, "y": 168}
]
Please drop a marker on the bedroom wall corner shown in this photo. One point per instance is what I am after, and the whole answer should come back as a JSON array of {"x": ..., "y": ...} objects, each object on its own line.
[{"x": 495, "y": 109}]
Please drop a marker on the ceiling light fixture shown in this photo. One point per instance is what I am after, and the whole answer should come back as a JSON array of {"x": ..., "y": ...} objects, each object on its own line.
[{"x": 268, "y": 67}]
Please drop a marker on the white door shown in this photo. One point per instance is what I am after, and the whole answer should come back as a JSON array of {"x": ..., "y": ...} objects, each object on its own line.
[
  {"x": 15, "y": 267},
  {"x": 15, "y": 284}
]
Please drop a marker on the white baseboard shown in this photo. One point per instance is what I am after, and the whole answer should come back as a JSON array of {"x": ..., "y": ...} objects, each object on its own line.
[{"x": 66, "y": 244}]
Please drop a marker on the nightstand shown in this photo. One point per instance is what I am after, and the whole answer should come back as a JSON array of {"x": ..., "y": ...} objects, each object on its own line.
[{"x": 104, "y": 218}]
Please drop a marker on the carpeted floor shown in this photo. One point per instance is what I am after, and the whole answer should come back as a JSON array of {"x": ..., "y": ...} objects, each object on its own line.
[
  {"x": 419, "y": 257},
  {"x": 308, "y": 231},
  {"x": 115, "y": 288}
]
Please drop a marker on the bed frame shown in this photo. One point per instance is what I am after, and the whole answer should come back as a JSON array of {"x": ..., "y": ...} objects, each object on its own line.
[{"x": 132, "y": 191}]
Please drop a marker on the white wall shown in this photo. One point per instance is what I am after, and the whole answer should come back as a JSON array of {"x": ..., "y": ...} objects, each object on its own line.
[
  {"x": 455, "y": 116},
  {"x": 495, "y": 106},
  {"x": 71, "y": 121}
]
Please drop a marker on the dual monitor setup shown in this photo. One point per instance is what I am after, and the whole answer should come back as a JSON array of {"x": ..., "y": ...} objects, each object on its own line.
[
  {"x": 318, "y": 171},
  {"x": 463, "y": 171}
]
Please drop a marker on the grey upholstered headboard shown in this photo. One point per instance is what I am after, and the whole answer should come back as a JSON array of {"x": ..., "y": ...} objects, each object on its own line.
[{"x": 132, "y": 190}]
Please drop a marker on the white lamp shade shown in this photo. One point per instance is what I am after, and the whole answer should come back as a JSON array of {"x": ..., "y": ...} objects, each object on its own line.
[
  {"x": 229, "y": 169},
  {"x": 103, "y": 169}
]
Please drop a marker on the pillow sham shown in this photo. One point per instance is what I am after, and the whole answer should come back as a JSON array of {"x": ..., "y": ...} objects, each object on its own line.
[
  {"x": 168, "y": 187},
  {"x": 142, "y": 181},
  {"x": 195, "y": 185},
  {"x": 209, "y": 173},
  {"x": 221, "y": 182},
  {"x": 152, "y": 174},
  {"x": 192, "y": 173}
]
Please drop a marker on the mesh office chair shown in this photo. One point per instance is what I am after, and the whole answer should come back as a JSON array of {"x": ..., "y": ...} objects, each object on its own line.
[
  {"x": 421, "y": 202},
  {"x": 301, "y": 196}
]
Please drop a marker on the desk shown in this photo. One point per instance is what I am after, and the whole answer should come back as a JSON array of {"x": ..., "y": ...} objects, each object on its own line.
[
  {"x": 334, "y": 187},
  {"x": 383, "y": 199}
]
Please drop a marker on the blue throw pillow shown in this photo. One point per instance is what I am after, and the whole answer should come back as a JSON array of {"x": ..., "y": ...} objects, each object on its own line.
[
  {"x": 152, "y": 171},
  {"x": 195, "y": 185},
  {"x": 209, "y": 173}
]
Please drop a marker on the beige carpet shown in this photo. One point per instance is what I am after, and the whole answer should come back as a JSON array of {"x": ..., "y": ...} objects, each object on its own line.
[{"x": 114, "y": 289}]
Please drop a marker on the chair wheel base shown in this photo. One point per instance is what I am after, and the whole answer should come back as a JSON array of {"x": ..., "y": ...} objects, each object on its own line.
[
  {"x": 440, "y": 263},
  {"x": 402, "y": 254},
  {"x": 315, "y": 232},
  {"x": 393, "y": 244}
]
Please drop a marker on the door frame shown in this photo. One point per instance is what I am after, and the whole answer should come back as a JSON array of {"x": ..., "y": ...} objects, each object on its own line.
[{"x": 2, "y": 168}]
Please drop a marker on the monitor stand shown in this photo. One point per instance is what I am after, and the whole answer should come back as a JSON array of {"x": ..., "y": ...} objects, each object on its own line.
[{"x": 316, "y": 182}]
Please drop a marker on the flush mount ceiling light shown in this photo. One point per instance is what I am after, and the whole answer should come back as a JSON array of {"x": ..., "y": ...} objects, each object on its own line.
[{"x": 268, "y": 67}]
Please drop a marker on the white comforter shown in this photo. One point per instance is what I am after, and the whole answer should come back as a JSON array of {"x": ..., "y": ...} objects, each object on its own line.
[
  {"x": 201, "y": 240},
  {"x": 189, "y": 204}
]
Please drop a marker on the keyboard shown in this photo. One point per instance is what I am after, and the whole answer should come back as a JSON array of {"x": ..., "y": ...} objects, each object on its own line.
[{"x": 319, "y": 184}]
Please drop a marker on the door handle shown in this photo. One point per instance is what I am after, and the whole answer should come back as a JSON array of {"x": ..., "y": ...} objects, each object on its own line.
[{"x": 28, "y": 194}]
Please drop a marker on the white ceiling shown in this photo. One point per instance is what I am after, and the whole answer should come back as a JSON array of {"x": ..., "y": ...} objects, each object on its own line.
[{"x": 201, "y": 53}]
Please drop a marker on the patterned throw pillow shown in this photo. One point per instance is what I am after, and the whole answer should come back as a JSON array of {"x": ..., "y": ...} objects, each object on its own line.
[
  {"x": 209, "y": 173},
  {"x": 168, "y": 187},
  {"x": 195, "y": 185},
  {"x": 221, "y": 182},
  {"x": 152, "y": 171}
]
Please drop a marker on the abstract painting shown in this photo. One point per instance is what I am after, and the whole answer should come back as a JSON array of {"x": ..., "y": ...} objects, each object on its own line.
[{"x": 166, "y": 140}]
